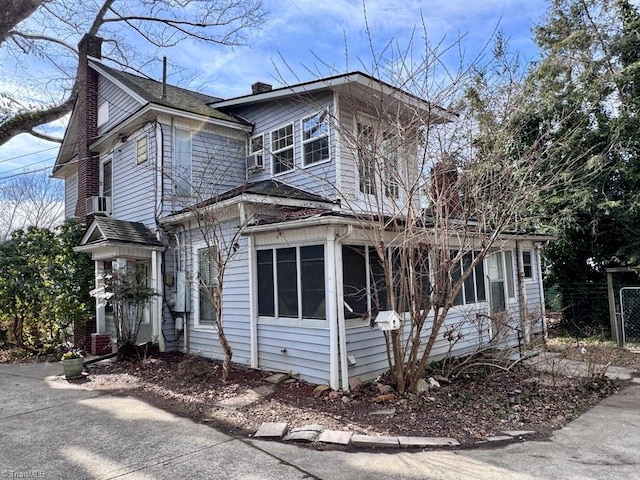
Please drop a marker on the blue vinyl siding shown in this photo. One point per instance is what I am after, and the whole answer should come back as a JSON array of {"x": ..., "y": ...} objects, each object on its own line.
[
  {"x": 319, "y": 178},
  {"x": 121, "y": 104}
]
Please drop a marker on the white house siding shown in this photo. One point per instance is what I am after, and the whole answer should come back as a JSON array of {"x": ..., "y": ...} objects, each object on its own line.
[
  {"x": 299, "y": 350},
  {"x": 235, "y": 307},
  {"x": 318, "y": 178},
  {"x": 70, "y": 194},
  {"x": 121, "y": 104}
]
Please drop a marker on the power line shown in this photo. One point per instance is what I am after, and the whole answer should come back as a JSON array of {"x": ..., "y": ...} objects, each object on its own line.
[{"x": 27, "y": 154}]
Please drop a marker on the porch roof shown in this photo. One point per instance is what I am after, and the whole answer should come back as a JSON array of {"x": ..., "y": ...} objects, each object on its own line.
[{"x": 103, "y": 230}]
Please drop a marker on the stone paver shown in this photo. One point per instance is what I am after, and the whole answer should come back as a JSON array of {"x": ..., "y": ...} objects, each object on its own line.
[
  {"x": 377, "y": 442},
  {"x": 518, "y": 433},
  {"x": 306, "y": 433},
  {"x": 387, "y": 412},
  {"x": 335, "y": 436},
  {"x": 277, "y": 378},
  {"x": 248, "y": 397},
  {"x": 272, "y": 430},
  {"x": 418, "y": 442},
  {"x": 499, "y": 438}
]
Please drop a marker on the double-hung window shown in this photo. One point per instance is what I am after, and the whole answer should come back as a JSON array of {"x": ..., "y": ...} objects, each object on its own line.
[
  {"x": 291, "y": 282},
  {"x": 207, "y": 286},
  {"x": 282, "y": 149},
  {"x": 315, "y": 138},
  {"x": 182, "y": 162}
]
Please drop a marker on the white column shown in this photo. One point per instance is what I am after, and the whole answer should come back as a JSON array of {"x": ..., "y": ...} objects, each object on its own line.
[{"x": 100, "y": 321}]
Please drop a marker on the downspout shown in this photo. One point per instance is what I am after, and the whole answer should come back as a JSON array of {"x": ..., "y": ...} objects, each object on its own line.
[
  {"x": 522, "y": 296},
  {"x": 158, "y": 281},
  {"x": 342, "y": 327}
]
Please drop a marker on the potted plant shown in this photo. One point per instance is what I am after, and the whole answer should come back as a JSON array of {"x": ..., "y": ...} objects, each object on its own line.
[{"x": 72, "y": 362}]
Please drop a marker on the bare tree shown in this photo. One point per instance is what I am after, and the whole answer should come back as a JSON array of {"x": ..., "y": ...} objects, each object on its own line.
[
  {"x": 450, "y": 166},
  {"x": 46, "y": 32},
  {"x": 31, "y": 199}
]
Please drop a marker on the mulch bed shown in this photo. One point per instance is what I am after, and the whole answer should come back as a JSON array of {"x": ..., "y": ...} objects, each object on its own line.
[{"x": 468, "y": 408}]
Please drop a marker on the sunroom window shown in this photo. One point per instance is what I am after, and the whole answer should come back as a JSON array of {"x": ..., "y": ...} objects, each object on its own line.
[{"x": 291, "y": 282}]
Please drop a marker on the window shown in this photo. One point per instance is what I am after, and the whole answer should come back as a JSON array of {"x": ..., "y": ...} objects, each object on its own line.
[
  {"x": 282, "y": 149},
  {"x": 182, "y": 162},
  {"x": 366, "y": 158},
  {"x": 291, "y": 282},
  {"x": 526, "y": 264},
  {"x": 315, "y": 138},
  {"x": 207, "y": 283},
  {"x": 390, "y": 153},
  {"x": 255, "y": 151},
  {"x": 363, "y": 279},
  {"x": 472, "y": 290},
  {"x": 107, "y": 178},
  {"x": 141, "y": 149}
]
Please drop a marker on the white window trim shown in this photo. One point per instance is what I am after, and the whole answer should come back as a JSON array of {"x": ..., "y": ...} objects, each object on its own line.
[
  {"x": 273, "y": 152},
  {"x": 103, "y": 161},
  {"x": 291, "y": 321},
  {"x": 140, "y": 138},
  {"x": 174, "y": 163},
  {"x": 304, "y": 142},
  {"x": 532, "y": 263},
  {"x": 379, "y": 179},
  {"x": 253, "y": 155},
  {"x": 195, "y": 281}
]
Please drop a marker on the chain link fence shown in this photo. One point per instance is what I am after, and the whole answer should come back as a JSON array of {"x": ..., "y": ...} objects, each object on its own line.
[{"x": 630, "y": 312}]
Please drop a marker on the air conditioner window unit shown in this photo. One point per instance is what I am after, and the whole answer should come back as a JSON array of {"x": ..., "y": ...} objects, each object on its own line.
[{"x": 99, "y": 205}]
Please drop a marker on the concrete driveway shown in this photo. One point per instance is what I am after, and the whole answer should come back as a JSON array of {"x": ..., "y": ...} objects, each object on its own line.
[{"x": 52, "y": 429}]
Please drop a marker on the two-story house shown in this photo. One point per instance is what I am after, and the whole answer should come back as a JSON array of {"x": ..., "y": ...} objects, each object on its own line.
[{"x": 274, "y": 172}]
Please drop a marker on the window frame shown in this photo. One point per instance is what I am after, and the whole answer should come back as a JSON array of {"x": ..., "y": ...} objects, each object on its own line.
[
  {"x": 276, "y": 152},
  {"x": 197, "y": 291},
  {"x": 527, "y": 265},
  {"x": 103, "y": 192},
  {"x": 365, "y": 164},
  {"x": 475, "y": 279},
  {"x": 254, "y": 155},
  {"x": 103, "y": 114},
  {"x": 142, "y": 141},
  {"x": 178, "y": 180},
  {"x": 275, "y": 285},
  {"x": 313, "y": 139}
]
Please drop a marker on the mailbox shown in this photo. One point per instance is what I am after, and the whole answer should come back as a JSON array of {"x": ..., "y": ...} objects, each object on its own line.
[{"x": 387, "y": 320}]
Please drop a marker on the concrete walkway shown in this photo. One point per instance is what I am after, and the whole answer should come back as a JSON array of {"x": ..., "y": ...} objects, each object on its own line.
[{"x": 52, "y": 429}]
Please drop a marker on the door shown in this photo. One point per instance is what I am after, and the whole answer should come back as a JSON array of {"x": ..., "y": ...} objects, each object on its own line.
[{"x": 501, "y": 293}]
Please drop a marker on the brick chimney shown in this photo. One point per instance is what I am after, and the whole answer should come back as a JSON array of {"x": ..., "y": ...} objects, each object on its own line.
[
  {"x": 87, "y": 123},
  {"x": 260, "y": 87},
  {"x": 445, "y": 191}
]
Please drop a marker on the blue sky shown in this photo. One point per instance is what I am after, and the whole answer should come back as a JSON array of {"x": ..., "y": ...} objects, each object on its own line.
[{"x": 302, "y": 39}]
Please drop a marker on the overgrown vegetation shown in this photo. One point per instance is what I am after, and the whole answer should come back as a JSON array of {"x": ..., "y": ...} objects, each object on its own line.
[{"x": 44, "y": 287}]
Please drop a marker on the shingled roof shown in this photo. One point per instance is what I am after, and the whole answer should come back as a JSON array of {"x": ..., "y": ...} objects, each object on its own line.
[
  {"x": 178, "y": 98},
  {"x": 107, "y": 229},
  {"x": 267, "y": 188}
]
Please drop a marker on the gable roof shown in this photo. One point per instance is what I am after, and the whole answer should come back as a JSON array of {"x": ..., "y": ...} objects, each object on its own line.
[
  {"x": 150, "y": 91},
  {"x": 111, "y": 230}
]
